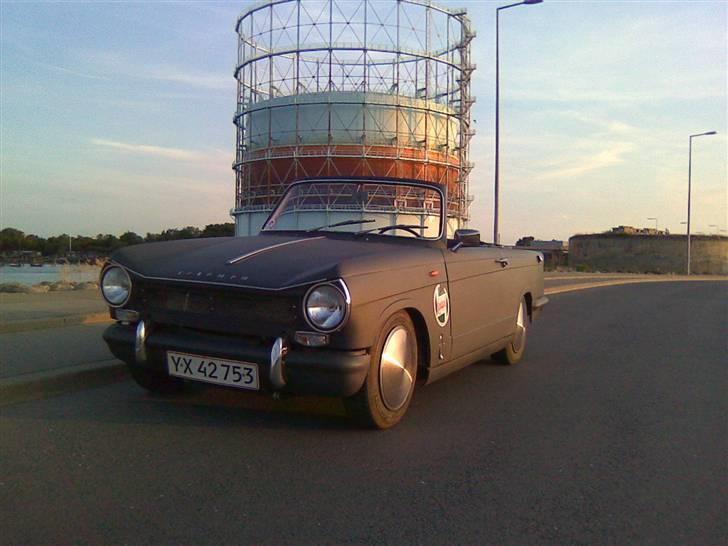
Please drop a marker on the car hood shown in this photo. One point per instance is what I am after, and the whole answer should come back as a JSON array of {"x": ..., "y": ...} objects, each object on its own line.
[{"x": 270, "y": 262}]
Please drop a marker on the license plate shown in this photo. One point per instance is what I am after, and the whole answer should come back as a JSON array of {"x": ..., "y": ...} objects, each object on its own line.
[{"x": 231, "y": 373}]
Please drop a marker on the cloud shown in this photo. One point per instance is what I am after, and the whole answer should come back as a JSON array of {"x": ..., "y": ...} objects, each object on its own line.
[
  {"x": 206, "y": 80},
  {"x": 178, "y": 154},
  {"x": 113, "y": 67},
  {"x": 29, "y": 56},
  {"x": 70, "y": 71},
  {"x": 627, "y": 59},
  {"x": 111, "y": 64},
  {"x": 611, "y": 126},
  {"x": 570, "y": 92},
  {"x": 612, "y": 155}
]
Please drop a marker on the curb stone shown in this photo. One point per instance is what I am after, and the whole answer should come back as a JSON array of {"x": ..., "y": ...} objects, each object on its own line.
[
  {"x": 618, "y": 282},
  {"x": 53, "y": 322}
]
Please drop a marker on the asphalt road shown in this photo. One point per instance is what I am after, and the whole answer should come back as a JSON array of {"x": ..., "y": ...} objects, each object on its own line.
[{"x": 612, "y": 430}]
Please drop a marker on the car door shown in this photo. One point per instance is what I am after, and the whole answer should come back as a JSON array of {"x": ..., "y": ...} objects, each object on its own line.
[{"x": 478, "y": 297}]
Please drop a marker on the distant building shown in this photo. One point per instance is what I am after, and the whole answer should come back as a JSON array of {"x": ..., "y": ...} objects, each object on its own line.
[
  {"x": 555, "y": 253},
  {"x": 629, "y": 230},
  {"x": 640, "y": 252}
]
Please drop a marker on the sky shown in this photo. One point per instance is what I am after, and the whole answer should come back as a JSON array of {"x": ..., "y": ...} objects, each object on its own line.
[{"x": 117, "y": 116}]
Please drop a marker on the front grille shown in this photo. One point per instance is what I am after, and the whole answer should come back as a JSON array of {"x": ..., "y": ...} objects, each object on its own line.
[{"x": 218, "y": 310}]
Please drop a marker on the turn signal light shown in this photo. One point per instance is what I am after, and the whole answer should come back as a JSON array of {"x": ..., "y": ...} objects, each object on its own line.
[
  {"x": 126, "y": 315},
  {"x": 311, "y": 339}
]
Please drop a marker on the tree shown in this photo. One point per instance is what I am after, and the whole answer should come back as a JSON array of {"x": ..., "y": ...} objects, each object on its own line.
[
  {"x": 189, "y": 232},
  {"x": 33, "y": 242},
  {"x": 218, "y": 230},
  {"x": 56, "y": 245},
  {"x": 130, "y": 238},
  {"x": 11, "y": 240}
]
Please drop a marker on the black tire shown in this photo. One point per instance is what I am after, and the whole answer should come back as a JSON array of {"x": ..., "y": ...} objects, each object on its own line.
[
  {"x": 386, "y": 394},
  {"x": 513, "y": 352},
  {"x": 156, "y": 382}
]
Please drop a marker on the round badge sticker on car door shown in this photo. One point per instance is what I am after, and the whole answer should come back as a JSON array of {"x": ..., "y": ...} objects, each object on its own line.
[{"x": 441, "y": 303}]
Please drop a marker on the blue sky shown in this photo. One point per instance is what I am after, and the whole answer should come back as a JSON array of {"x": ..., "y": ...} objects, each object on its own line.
[{"x": 118, "y": 116}]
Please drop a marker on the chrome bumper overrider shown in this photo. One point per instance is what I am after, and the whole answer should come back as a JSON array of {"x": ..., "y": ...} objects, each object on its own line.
[
  {"x": 277, "y": 353},
  {"x": 140, "y": 341}
]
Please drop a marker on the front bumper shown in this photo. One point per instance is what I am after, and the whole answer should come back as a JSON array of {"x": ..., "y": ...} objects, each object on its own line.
[{"x": 297, "y": 370}]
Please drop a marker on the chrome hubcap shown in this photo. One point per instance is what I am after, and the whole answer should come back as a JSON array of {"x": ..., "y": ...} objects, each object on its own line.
[
  {"x": 395, "y": 369},
  {"x": 520, "y": 338}
]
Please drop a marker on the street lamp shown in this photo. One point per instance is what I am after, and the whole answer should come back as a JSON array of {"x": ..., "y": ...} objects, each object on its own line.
[
  {"x": 690, "y": 171},
  {"x": 655, "y": 219},
  {"x": 496, "y": 235}
]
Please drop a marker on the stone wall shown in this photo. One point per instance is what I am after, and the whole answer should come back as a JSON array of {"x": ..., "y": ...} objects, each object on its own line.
[{"x": 648, "y": 253}]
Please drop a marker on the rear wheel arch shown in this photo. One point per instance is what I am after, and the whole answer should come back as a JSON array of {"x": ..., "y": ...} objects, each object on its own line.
[{"x": 513, "y": 351}]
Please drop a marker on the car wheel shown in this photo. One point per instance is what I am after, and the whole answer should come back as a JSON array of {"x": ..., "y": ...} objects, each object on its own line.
[
  {"x": 513, "y": 352},
  {"x": 387, "y": 391},
  {"x": 156, "y": 382}
]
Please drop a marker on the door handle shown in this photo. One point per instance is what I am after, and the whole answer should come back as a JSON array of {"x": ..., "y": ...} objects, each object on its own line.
[{"x": 502, "y": 261}]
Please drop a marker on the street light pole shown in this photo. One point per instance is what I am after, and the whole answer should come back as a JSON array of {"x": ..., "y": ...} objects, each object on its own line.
[
  {"x": 690, "y": 172},
  {"x": 496, "y": 234}
]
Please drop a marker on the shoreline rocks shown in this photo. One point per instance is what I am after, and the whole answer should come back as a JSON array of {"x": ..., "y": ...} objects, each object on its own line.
[{"x": 46, "y": 286}]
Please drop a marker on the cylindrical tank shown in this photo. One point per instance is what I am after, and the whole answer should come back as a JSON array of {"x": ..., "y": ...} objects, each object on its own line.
[{"x": 350, "y": 88}]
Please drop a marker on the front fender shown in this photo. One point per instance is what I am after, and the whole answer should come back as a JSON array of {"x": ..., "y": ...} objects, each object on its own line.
[{"x": 366, "y": 320}]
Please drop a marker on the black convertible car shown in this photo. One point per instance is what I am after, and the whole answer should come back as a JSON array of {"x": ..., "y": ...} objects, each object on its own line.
[{"x": 361, "y": 307}]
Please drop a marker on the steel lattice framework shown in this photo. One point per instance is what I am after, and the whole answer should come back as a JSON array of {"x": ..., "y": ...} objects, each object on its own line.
[{"x": 352, "y": 87}]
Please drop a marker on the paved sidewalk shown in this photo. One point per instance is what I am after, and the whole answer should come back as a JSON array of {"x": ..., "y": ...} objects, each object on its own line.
[
  {"x": 49, "y": 344},
  {"x": 34, "y": 351},
  {"x": 22, "y": 312}
]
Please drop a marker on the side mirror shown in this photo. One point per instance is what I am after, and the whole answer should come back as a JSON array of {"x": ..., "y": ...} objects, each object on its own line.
[{"x": 467, "y": 237}]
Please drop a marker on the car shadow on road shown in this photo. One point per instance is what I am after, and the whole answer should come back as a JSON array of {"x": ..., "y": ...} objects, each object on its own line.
[
  {"x": 125, "y": 403},
  {"x": 228, "y": 408}
]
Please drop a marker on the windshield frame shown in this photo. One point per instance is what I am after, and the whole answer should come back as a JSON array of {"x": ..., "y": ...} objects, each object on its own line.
[{"x": 440, "y": 189}]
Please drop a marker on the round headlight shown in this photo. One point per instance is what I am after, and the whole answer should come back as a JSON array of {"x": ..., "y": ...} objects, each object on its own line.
[
  {"x": 325, "y": 307},
  {"x": 115, "y": 286}
]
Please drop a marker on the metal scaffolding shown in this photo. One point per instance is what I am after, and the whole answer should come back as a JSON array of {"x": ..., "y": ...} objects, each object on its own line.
[{"x": 352, "y": 87}]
